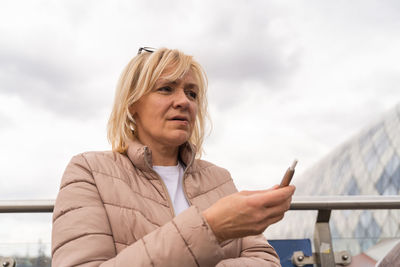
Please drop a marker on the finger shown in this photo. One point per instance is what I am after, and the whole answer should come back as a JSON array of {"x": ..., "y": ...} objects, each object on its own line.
[
  {"x": 291, "y": 188},
  {"x": 264, "y": 217},
  {"x": 253, "y": 192},
  {"x": 272, "y": 198},
  {"x": 275, "y": 219},
  {"x": 278, "y": 209},
  {"x": 265, "y": 224},
  {"x": 262, "y": 225}
]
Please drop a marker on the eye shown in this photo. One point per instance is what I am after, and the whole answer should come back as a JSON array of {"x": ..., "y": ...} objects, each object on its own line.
[
  {"x": 165, "y": 89},
  {"x": 192, "y": 94}
]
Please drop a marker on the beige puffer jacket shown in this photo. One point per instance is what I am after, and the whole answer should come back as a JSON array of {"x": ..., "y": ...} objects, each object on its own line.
[{"x": 114, "y": 210}]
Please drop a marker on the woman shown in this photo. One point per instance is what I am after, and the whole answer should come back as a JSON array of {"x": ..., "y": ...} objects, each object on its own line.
[{"x": 149, "y": 201}]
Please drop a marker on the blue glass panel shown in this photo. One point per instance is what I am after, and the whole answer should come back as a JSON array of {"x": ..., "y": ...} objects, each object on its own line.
[
  {"x": 363, "y": 140},
  {"x": 390, "y": 190},
  {"x": 375, "y": 129},
  {"x": 347, "y": 213},
  {"x": 335, "y": 174},
  {"x": 359, "y": 231},
  {"x": 339, "y": 165},
  {"x": 382, "y": 183},
  {"x": 352, "y": 187},
  {"x": 365, "y": 244},
  {"x": 334, "y": 231},
  {"x": 343, "y": 168},
  {"x": 365, "y": 218},
  {"x": 371, "y": 159},
  {"x": 373, "y": 229},
  {"x": 382, "y": 143},
  {"x": 396, "y": 179},
  {"x": 392, "y": 165}
]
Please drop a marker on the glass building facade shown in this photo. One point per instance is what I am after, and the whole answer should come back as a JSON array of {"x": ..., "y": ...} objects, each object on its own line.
[{"x": 367, "y": 164}]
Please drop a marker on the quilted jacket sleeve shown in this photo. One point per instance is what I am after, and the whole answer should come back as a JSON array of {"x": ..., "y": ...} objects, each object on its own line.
[
  {"x": 251, "y": 250},
  {"x": 81, "y": 234},
  {"x": 255, "y": 252}
]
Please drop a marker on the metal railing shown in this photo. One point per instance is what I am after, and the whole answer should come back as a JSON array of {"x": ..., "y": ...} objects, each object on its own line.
[
  {"x": 345, "y": 202},
  {"x": 26, "y": 206},
  {"x": 324, "y": 255},
  {"x": 298, "y": 203}
]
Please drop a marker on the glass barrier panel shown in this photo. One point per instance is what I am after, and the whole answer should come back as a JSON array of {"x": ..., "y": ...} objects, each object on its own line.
[
  {"x": 26, "y": 237},
  {"x": 369, "y": 233}
]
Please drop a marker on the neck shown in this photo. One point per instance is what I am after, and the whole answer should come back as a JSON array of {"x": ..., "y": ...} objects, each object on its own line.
[
  {"x": 161, "y": 154},
  {"x": 164, "y": 156}
]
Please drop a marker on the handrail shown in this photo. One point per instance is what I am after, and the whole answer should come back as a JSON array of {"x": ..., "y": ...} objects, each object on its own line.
[
  {"x": 22, "y": 206},
  {"x": 324, "y": 254},
  {"x": 298, "y": 203},
  {"x": 345, "y": 202}
]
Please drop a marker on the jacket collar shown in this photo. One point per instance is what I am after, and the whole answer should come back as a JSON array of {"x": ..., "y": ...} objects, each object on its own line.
[{"x": 141, "y": 157}]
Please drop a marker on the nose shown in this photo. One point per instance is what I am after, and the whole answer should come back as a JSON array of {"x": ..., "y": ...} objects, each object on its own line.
[{"x": 181, "y": 100}]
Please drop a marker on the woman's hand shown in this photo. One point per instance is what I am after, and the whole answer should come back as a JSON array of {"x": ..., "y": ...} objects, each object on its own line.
[{"x": 248, "y": 212}]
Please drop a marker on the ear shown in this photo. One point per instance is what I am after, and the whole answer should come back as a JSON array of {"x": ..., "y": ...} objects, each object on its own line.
[{"x": 132, "y": 110}]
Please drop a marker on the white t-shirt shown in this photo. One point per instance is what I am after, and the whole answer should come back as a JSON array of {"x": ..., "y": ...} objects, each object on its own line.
[{"x": 173, "y": 179}]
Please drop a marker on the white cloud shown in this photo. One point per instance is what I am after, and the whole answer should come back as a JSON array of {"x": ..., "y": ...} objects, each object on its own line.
[
  {"x": 287, "y": 79},
  {"x": 37, "y": 148}
]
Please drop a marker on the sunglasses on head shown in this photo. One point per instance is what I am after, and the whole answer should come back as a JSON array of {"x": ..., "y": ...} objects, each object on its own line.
[{"x": 146, "y": 49}]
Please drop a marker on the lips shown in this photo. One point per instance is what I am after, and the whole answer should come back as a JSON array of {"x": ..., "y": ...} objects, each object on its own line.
[{"x": 180, "y": 118}]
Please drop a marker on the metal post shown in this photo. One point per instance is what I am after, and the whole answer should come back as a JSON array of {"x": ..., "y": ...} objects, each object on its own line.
[
  {"x": 7, "y": 262},
  {"x": 323, "y": 240}
]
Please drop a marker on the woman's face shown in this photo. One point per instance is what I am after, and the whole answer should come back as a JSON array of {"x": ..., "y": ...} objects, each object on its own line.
[{"x": 166, "y": 116}]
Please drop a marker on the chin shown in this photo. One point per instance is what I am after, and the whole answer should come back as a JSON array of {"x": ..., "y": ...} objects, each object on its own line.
[{"x": 179, "y": 139}]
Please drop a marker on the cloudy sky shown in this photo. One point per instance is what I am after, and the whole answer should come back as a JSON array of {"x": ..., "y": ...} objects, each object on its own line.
[{"x": 287, "y": 79}]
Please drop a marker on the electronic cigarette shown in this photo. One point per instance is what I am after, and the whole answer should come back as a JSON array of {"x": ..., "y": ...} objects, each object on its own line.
[{"x": 288, "y": 175}]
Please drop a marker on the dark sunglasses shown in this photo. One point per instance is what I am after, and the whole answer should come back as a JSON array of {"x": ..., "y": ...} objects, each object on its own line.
[{"x": 146, "y": 49}]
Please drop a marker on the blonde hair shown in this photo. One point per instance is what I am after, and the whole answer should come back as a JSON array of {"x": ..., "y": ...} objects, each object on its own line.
[{"x": 138, "y": 78}]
